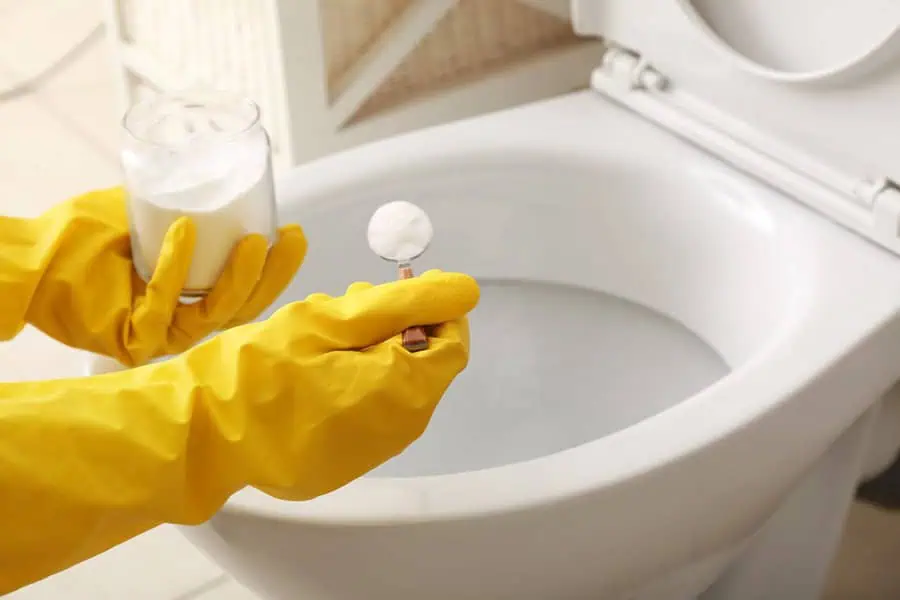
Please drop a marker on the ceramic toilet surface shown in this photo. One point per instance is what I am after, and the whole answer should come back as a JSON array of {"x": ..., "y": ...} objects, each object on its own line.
[
  {"x": 653, "y": 322},
  {"x": 670, "y": 355},
  {"x": 601, "y": 296},
  {"x": 619, "y": 280}
]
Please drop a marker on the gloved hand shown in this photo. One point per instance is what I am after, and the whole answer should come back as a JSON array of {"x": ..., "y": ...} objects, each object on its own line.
[
  {"x": 69, "y": 273},
  {"x": 297, "y": 405}
]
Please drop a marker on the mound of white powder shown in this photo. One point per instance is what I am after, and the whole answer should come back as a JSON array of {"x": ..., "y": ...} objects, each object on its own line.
[{"x": 399, "y": 231}]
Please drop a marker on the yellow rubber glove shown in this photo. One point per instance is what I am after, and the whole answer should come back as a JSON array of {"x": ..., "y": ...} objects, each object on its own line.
[
  {"x": 69, "y": 273},
  {"x": 297, "y": 405}
]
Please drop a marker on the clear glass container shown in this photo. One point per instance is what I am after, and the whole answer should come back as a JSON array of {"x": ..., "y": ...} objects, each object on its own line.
[{"x": 204, "y": 155}]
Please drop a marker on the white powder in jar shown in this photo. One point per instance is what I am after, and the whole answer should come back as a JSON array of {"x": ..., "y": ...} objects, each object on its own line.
[
  {"x": 223, "y": 183},
  {"x": 399, "y": 231}
]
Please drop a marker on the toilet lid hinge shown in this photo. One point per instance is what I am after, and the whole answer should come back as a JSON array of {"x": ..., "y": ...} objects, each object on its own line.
[
  {"x": 886, "y": 207},
  {"x": 868, "y": 207},
  {"x": 630, "y": 69}
]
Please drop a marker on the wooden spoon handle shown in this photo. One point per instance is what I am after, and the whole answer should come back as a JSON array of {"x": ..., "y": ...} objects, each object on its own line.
[{"x": 414, "y": 338}]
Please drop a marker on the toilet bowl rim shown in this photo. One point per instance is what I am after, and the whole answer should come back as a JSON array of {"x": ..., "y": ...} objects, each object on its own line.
[
  {"x": 461, "y": 141},
  {"x": 767, "y": 379},
  {"x": 755, "y": 388}
]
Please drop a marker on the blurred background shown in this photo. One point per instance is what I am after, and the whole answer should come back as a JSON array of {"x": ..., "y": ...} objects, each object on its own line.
[{"x": 328, "y": 74}]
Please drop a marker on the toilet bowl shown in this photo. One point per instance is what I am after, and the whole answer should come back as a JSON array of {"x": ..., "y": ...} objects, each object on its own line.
[{"x": 677, "y": 367}]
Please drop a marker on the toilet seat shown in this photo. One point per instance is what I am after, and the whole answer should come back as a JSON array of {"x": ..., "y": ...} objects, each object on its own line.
[
  {"x": 873, "y": 34},
  {"x": 826, "y": 135}
]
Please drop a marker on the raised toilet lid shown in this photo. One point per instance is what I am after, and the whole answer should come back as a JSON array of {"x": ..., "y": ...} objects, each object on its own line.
[{"x": 822, "y": 75}]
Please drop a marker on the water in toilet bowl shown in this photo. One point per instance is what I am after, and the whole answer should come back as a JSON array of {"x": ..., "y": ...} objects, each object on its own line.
[
  {"x": 514, "y": 402},
  {"x": 575, "y": 339}
]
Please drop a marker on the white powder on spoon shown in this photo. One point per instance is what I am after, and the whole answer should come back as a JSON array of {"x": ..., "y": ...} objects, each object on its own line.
[{"x": 399, "y": 231}]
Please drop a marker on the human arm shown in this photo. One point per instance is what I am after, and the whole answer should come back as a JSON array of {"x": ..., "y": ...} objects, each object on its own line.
[{"x": 297, "y": 406}]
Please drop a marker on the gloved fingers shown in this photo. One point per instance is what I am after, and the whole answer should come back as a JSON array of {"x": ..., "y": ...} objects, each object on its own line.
[
  {"x": 368, "y": 316},
  {"x": 153, "y": 313},
  {"x": 193, "y": 322},
  {"x": 317, "y": 298},
  {"x": 281, "y": 264},
  {"x": 455, "y": 331},
  {"x": 359, "y": 286}
]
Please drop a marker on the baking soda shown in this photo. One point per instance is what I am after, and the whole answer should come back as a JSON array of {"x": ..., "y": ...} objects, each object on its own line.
[{"x": 399, "y": 231}]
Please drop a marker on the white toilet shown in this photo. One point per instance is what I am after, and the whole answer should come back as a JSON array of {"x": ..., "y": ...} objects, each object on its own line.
[{"x": 690, "y": 322}]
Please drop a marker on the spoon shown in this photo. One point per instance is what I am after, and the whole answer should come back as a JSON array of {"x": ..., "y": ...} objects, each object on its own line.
[{"x": 400, "y": 232}]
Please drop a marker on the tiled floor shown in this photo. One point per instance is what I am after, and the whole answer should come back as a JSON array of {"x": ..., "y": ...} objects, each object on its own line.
[{"x": 59, "y": 139}]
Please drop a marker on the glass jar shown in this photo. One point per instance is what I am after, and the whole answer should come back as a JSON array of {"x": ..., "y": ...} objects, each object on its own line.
[{"x": 204, "y": 155}]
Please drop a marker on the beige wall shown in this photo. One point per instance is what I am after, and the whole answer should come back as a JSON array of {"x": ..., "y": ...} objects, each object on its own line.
[{"x": 475, "y": 39}]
